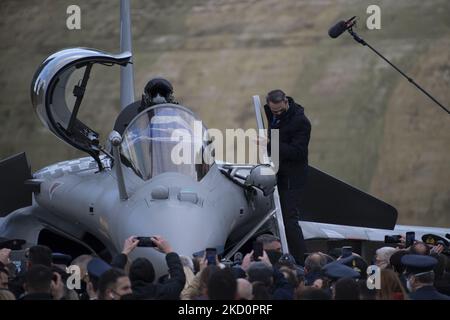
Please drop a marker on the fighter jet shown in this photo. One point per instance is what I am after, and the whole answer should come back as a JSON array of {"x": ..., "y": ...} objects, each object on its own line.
[{"x": 130, "y": 186}]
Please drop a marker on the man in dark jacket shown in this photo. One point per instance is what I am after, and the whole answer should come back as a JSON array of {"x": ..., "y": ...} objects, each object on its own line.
[
  {"x": 294, "y": 128},
  {"x": 142, "y": 275},
  {"x": 420, "y": 275}
]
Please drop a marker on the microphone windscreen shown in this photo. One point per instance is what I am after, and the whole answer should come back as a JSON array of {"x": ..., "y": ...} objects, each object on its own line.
[{"x": 336, "y": 30}]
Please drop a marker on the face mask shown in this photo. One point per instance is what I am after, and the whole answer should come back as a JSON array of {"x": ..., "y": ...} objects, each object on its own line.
[{"x": 158, "y": 99}]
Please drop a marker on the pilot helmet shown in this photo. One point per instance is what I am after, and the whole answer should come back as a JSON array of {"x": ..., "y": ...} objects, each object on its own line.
[{"x": 158, "y": 90}]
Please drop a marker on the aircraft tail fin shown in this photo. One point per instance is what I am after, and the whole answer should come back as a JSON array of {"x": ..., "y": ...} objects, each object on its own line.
[
  {"x": 126, "y": 72},
  {"x": 330, "y": 200}
]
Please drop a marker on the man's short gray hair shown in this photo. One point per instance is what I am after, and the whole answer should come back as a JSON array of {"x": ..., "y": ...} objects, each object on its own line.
[{"x": 267, "y": 238}]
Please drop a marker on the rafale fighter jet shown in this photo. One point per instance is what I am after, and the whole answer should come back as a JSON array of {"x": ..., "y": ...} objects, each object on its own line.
[{"x": 130, "y": 186}]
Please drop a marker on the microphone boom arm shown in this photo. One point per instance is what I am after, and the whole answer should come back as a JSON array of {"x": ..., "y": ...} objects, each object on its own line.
[{"x": 411, "y": 80}]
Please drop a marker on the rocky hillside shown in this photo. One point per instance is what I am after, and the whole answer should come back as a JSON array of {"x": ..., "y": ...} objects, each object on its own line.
[{"x": 371, "y": 128}]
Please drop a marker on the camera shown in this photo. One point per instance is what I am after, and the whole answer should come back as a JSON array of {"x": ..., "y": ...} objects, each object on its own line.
[
  {"x": 145, "y": 242},
  {"x": 392, "y": 239}
]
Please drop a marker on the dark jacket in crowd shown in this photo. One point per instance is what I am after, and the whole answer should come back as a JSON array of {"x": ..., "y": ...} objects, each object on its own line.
[
  {"x": 37, "y": 296},
  {"x": 119, "y": 261},
  {"x": 281, "y": 289},
  {"x": 428, "y": 293},
  {"x": 310, "y": 277},
  {"x": 294, "y": 134},
  {"x": 170, "y": 289},
  {"x": 442, "y": 284}
]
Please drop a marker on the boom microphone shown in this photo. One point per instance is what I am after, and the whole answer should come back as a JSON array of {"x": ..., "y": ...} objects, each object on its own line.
[
  {"x": 339, "y": 28},
  {"x": 342, "y": 26}
]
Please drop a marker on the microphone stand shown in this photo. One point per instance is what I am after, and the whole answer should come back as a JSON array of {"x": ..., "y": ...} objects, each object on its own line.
[{"x": 364, "y": 43}]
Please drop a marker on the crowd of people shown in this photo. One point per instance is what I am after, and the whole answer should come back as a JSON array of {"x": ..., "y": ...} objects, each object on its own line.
[{"x": 421, "y": 271}]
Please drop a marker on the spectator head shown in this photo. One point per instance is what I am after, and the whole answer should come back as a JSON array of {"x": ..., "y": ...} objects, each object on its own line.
[
  {"x": 327, "y": 257},
  {"x": 259, "y": 271},
  {"x": 113, "y": 284},
  {"x": 142, "y": 270},
  {"x": 419, "y": 248},
  {"x": 270, "y": 242},
  {"x": 39, "y": 254},
  {"x": 311, "y": 293},
  {"x": 222, "y": 285},
  {"x": 391, "y": 286},
  {"x": 277, "y": 102},
  {"x": 244, "y": 289},
  {"x": 290, "y": 276},
  {"x": 95, "y": 268},
  {"x": 314, "y": 263},
  {"x": 38, "y": 279},
  {"x": 396, "y": 263},
  {"x": 82, "y": 262},
  {"x": 419, "y": 270},
  {"x": 383, "y": 256},
  {"x": 260, "y": 291},
  {"x": 205, "y": 275},
  {"x": 238, "y": 272},
  {"x": 346, "y": 289}
]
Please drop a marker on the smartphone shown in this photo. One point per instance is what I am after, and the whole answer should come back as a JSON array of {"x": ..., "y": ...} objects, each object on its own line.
[
  {"x": 211, "y": 254},
  {"x": 145, "y": 242},
  {"x": 410, "y": 238},
  {"x": 257, "y": 250},
  {"x": 347, "y": 251}
]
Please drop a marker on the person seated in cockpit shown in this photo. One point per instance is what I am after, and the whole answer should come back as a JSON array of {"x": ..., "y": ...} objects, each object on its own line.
[{"x": 157, "y": 91}]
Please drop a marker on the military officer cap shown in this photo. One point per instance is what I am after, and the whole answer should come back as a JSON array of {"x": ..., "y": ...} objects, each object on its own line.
[
  {"x": 356, "y": 263},
  {"x": 96, "y": 267},
  {"x": 336, "y": 270},
  {"x": 434, "y": 240},
  {"x": 417, "y": 264},
  {"x": 61, "y": 258}
]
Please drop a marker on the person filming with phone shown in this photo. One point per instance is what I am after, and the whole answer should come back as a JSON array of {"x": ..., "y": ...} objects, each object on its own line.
[{"x": 142, "y": 272}]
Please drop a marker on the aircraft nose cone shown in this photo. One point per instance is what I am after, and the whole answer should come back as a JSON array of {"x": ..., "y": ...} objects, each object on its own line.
[{"x": 188, "y": 224}]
